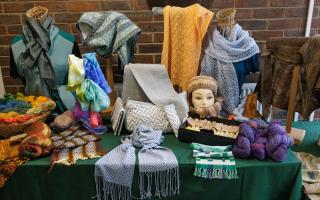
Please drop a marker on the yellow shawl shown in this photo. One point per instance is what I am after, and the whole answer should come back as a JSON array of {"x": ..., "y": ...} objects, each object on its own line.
[{"x": 184, "y": 29}]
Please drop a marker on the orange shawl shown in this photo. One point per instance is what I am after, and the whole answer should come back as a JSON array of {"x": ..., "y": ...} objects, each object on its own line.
[{"x": 184, "y": 29}]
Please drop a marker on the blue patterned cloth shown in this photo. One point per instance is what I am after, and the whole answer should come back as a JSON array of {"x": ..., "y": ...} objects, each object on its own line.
[
  {"x": 94, "y": 73},
  {"x": 109, "y": 32}
]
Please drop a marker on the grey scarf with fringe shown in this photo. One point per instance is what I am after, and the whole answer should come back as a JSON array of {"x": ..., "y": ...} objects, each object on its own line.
[{"x": 158, "y": 167}]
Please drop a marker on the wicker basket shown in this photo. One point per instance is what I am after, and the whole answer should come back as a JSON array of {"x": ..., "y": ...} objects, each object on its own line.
[
  {"x": 39, "y": 13},
  {"x": 8, "y": 130}
]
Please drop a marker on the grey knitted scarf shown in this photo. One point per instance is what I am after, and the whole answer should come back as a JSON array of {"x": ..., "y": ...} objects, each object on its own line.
[
  {"x": 38, "y": 42},
  {"x": 158, "y": 167}
]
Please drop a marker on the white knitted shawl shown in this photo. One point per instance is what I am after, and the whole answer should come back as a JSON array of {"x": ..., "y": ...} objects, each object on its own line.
[{"x": 217, "y": 62}]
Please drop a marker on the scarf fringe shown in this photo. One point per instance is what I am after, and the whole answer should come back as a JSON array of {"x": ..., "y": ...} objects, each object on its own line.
[
  {"x": 216, "y": 173},
  {"x": 166, "y": 183},
  {"x": 107, "y": 190}
]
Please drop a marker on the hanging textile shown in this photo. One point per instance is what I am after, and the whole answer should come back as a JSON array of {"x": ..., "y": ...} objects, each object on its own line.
[
  {"x": 277, "y": 63},
  {"x": 218, "y": 60},
  {"x": 109, "y": 32},
  {"x": 184, "y": 29}
]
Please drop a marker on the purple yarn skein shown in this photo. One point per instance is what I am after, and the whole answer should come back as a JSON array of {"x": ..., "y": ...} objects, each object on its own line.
[{"x": 278, "y": 142}]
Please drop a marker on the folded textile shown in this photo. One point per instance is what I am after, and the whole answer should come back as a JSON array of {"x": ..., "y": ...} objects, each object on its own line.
[
  {"x": 77, "y": 138},
  {"x": 9, "y": 160},
  {"x": 70, "y": 156},
  {"x": 73, "y": 144},
  {"x": 214, "y": 162},
  {"x": 8, "y": 167},
  {"x": 218, "y": 60},
  {"x": 310, "y": 174},
  {"x": 310, "y": 167},
  {"x": 109, "y": 32},
  {"x": 158, "y": 166},
  {"x": 313, "y": 188}
]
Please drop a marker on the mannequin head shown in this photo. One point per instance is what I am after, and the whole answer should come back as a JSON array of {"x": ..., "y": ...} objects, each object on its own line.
[{"x": 202, "y": 97}]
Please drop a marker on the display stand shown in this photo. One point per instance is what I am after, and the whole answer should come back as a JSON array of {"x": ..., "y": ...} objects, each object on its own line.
[
  {"x": 297, "y": 134},
  {"x": 112, "y": 95}
]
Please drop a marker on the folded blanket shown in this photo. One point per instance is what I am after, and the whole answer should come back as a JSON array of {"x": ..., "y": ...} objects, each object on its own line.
[
  {"x": 8, "y": 167},
  {"x": 214, "y": 162},
  {"x": 158, "y": 166},
  {"x": 310, "y": 175},
  {"x": 9, "y": 159}
]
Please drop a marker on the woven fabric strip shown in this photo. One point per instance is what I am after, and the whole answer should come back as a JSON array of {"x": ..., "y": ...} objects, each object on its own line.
[{"x": 214, "y": 162}]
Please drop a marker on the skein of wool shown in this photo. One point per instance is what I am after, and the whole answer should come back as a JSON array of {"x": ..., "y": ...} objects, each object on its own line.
[
  {"x": 258, "y": 147},
  {"x": 278, "y": 141},
  {"x": 251, "y": 140},
  {"x": 242, "y": 148}
]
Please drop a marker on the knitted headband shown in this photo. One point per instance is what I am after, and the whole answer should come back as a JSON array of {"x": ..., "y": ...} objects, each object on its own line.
[{"x": 198, "y": 82}]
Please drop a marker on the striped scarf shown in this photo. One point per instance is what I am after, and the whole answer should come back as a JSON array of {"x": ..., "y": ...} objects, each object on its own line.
[
  {"x": 214, "y": 162},
  {"x": 73, "y": 144}
]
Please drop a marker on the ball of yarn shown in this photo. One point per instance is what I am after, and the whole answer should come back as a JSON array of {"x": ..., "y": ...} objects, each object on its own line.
[{"x": 242, "y": 148}]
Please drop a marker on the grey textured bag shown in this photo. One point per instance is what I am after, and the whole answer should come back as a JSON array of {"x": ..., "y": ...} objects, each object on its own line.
[{"x": 142, "y": 113}]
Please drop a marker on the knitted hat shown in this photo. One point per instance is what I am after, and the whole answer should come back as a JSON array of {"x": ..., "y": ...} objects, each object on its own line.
[
  {"x": 225, "y": 17},
  {"x": 39, "y": 13},
  {"x": 198, "y": 82}
]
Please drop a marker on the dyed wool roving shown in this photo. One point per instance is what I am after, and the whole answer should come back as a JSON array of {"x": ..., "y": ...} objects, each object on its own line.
[{"x": 214, "y": 162}]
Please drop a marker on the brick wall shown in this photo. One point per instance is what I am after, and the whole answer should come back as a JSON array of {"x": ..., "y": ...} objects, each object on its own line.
[{"x": 262, "y": 18}]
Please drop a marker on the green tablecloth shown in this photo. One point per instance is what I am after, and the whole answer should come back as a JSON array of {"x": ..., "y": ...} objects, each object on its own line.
[
  {"x": 309, "y": 144},
  {"x": 263, "y": 180}
]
